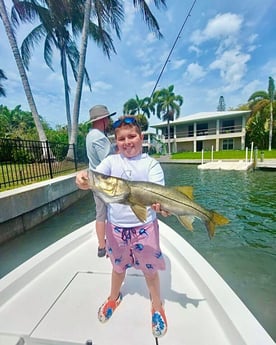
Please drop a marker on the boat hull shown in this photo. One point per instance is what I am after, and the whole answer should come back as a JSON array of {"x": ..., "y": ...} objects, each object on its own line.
[{"x": 54, "y": 297}]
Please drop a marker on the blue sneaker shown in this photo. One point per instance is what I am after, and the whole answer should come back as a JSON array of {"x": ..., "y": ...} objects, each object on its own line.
[{"x": 159, "y": 323}]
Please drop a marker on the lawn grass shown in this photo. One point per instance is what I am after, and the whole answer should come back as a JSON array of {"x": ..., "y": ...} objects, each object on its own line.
[
  {"x": 229, "y": 154},
  {"x": 20, "y": 175}
]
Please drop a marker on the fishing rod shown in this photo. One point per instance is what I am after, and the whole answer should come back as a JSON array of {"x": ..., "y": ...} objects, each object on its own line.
[{"x": 177, "y": 37}]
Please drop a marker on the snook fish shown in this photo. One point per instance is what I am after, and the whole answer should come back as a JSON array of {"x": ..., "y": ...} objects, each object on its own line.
[{"x": 138, "y": 194}]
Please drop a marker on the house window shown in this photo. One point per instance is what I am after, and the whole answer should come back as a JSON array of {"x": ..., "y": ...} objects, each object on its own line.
[
  {"x": 228, "y": 126},
  {"x": 228, "y": 144},
  {"x": 202, "y": 129},
  {"x": 190, "y": 130},
  {"x": 171, "y": 132}
]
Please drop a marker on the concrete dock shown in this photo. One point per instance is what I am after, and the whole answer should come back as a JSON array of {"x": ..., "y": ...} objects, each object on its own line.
[{"x": 231, "y": 164}]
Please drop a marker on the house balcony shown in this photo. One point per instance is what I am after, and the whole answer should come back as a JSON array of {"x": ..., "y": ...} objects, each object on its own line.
[{"x": 206, "y": 134}]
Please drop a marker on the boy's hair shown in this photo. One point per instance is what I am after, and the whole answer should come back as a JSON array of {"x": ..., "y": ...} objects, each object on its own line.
[{"x": 127, "y": 121}]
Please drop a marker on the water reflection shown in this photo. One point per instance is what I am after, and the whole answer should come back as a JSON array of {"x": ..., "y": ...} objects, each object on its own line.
[{"x": 243, "y": 251}]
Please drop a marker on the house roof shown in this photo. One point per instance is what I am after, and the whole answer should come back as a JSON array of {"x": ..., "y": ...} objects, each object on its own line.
[{"x": 204, "y": 116}]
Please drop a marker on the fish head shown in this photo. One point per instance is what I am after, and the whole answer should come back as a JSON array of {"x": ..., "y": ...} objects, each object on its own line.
[{"x": 110, "y": 188}]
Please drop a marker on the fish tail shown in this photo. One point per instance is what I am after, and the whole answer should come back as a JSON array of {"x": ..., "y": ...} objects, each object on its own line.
[{"x": 215, "y": 219}]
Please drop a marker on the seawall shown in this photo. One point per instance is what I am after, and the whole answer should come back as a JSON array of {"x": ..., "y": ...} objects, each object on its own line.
[{"x": 23, "y": 208}]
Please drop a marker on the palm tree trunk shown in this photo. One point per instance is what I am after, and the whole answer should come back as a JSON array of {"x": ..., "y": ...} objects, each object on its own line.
[
  {"x": 66, "y": 93},
  {"x": 83, "y": 48},
  {"x": 270, "y": 127},
  {"x": 22, "y": 72},
  {"x": 169, "y": 137}
]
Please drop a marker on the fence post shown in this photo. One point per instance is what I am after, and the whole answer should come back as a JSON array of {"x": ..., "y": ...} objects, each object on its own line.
[
  {"x": 75, "y": 157},
  {"x": 49, "y": 159}
]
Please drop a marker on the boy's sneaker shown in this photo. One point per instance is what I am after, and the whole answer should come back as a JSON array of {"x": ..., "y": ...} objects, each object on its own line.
[
  {"x": 107, "y": 309},
  {"x": 159, "y": 323}
]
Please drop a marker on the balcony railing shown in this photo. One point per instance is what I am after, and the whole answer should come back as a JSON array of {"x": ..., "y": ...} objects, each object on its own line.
[{"x": 205, "y": 132}]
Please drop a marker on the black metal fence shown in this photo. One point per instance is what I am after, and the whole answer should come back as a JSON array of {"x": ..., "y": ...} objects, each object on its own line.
[{"x": 27, "y": 161}]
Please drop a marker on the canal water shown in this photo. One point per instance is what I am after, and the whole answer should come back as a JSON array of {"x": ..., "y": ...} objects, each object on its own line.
[{"x": 243, "y": 251}]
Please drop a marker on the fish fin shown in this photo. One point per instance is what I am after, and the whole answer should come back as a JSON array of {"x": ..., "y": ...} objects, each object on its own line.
[
  {"x": 187, "y": 222},
  {"x": 216, "y": 219},
  {"x": 140, "y": 212},
  {"x": 186, "y": 190}
]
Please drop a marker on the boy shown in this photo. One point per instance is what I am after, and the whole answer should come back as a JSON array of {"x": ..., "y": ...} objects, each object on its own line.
[{"x": 129, "y": 242}]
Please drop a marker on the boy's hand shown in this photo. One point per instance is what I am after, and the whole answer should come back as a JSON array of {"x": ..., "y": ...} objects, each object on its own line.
[
  {"x": 157, "y": 208},
  {"x": 82, "y": 180}
]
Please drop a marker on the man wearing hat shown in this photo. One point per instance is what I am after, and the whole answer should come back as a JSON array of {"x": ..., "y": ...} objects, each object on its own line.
[{"x": 98, "y": 147}]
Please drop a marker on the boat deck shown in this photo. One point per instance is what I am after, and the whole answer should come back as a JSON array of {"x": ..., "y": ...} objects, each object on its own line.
[{"x": 54, "y": 297}]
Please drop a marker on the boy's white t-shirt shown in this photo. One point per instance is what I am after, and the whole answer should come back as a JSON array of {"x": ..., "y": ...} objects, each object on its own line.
[{"x": 139, "y": 168}]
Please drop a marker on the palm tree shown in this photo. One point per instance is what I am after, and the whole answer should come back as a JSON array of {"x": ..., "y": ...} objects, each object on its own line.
[
  {"x": 107, "y": 13},
  {"x": 260, "y": 102},
  {"x": 143, "y": 122},
  {"x": 138, "y": 106},
  {"x": 21, "y": 69},
  {"x": 55, "y": 21},
  {"x": 167, "y": 107},
  {"x": 272, "y": 95},
  {"x": 2, "y": 90}
]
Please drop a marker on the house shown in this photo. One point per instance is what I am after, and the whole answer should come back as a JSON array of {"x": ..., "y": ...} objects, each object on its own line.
[{"x": 222, "y": 130}]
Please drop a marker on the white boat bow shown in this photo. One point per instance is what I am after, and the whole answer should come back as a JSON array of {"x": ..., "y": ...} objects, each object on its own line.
[{"x": 53, "y": 298}]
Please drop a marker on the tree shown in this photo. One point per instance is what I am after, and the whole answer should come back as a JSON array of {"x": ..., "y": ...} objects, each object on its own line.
[
  {"x": 135, "y": 106},
  {"x": 21, "y": 69},
  {"x": 143, "y": 122},
  {"x": 2, "y": 90},
  {"x": 18, "y": 124},
  {"x": 107, "y": 13},
  {"x": 56, "y": 19},
  {"x": 255, "y": 131},
  {"x": 221, "y": 105},
  {"x": 167, "y": 105},
  {"x": 261, "y": 103},
  {"x": 271, "y": 95}
]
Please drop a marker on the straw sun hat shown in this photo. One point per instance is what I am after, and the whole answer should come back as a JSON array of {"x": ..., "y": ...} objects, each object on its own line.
[{"x": 99, "y": 112}]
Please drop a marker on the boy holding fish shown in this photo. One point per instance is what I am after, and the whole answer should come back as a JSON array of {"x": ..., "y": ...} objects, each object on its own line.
[{"x": 130, "y": 242}]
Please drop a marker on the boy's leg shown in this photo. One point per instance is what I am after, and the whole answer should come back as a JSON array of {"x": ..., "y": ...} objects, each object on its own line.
[
  {"x": 116, "y": 284},
  {"x": 107, "y": 309},
  {"x": 158, "y": 321},
  {"x": 153, "y": 284}
]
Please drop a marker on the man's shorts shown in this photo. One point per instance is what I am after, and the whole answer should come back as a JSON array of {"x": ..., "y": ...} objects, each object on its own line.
[
  {"x": 136, "y": 247},
  {"x": 100, "y": 209}
]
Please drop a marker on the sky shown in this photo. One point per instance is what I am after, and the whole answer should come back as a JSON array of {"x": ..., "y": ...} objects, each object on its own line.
[{"x": 226, "y": 48}]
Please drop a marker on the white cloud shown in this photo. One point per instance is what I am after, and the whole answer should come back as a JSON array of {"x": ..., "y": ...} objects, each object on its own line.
[
  {"x": 176, "y": 64},
  {"x": 269, "y": 68},
  {"x": 232, "y": 66},
  {"x": 195, "y": 49},
  {"x": 194, "y": 72},
  {"x": 221, "y": 27},
  {"x": 99, "y": 86}
]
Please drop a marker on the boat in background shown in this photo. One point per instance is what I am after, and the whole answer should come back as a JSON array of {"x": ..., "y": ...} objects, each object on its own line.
[{"x": 53, "y": 298}]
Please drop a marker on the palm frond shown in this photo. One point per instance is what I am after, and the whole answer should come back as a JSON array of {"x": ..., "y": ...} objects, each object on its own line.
[{"x": 29, "y": 43}]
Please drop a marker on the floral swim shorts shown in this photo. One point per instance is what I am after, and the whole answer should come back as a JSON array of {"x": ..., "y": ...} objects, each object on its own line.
[{"x": 136, "y": 247}]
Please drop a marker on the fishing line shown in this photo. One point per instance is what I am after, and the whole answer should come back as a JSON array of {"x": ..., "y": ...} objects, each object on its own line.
[{"x": 177, "y": 37}]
